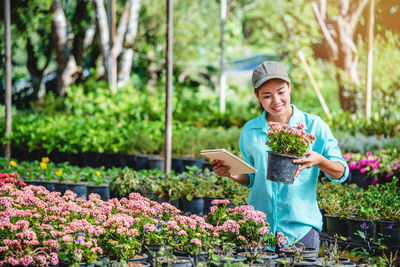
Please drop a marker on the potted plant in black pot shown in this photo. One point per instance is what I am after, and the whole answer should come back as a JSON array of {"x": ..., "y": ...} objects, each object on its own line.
[{"x": 286, "y": 144}]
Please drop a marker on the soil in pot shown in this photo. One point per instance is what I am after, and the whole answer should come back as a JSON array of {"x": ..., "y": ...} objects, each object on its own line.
[{"x": 281, "y": 168}]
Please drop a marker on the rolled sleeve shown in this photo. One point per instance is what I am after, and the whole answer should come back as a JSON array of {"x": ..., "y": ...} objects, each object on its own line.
[{"x": 332, "y": 152}]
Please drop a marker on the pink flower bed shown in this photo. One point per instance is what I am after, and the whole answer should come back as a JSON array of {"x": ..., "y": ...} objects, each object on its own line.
[{"x": 39, "y": 227}]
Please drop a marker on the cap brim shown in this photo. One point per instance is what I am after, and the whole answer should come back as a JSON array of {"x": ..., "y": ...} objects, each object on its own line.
[{"x": 267, "y": 78}]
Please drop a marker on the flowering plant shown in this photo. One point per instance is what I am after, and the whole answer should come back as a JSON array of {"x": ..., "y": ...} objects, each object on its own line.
[
  {"x": 242, "y": 225},
  {"x": 188, "y": 234},
  {"x": 284, "y": 139}
]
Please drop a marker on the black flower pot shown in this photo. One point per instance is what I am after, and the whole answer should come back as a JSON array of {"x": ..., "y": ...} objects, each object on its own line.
[
  {"x": 109, "y": 160},
  {"x": 156, "y": 162},
  {"x": 390, "y": 232},
  {"x": 58, "y": 157},
  {"x": 367, "y": 227},
  {"x": 281, "y": 168},
  {"x": 307, "y": 253},
  {"x": 193, "y": 162},
  {"x": 177, "y": 262},
  {"x": 46, "y": 184},
  {"x": 141, "y": 162},
  {"x": 127, "y": 160},
  {"x": 336, "y": 225},
  {"x": 177, "y": 165},
  {"x": 363, "y": 180},
  {"x": 102, "y": 190},
  {"x": 80, "y": 189},
  {"x": 91, "y": 159},
  {"x": 195, "y": 206}
]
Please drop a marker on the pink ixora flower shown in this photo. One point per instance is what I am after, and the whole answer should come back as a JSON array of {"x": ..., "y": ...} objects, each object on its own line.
[{"x": 196, "y": 241}]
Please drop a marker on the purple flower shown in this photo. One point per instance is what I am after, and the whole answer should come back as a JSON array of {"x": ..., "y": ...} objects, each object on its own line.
[
  {"x": 390, "y": 226},
  {"x": 364, "y": 226}
]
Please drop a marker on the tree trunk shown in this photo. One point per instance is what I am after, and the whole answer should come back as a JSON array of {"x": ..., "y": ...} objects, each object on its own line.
[
  {"x": 339, "y": 35},
  {"x": 101, "y": 18},
  {"x": 35, "y": 72},
  {"x": 127, "y": 52},
  {"x": 66, "y": 65},
  {"x": 78, "y": 51}
]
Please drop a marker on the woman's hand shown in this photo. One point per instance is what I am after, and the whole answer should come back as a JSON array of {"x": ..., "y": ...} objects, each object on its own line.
[
  {"x": 312, "y": 158},
  {"x": 220, "y": 169}
]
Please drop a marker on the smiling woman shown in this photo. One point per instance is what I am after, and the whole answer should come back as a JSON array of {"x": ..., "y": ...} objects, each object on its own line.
[{"x": 290, "y": 208}]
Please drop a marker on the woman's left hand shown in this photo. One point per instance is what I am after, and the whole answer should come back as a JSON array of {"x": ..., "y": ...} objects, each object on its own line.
[{"x": 312, "y": 158}]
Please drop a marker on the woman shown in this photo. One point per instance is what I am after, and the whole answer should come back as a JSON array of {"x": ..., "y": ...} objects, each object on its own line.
[{"x": 290, "y": 208}]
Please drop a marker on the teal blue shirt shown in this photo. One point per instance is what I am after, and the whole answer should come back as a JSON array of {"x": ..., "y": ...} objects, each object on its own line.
[{"x": 290, "y": 208}]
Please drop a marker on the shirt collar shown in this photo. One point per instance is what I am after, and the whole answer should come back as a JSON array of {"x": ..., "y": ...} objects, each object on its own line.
[{"x": 297, "y": 116}]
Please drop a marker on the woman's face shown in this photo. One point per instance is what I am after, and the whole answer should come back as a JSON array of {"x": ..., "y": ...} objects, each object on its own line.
[{"x": 274, "y": 96}]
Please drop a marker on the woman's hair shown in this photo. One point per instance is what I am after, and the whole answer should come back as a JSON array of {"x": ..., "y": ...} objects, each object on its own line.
[{"x": 261, "y": 107}]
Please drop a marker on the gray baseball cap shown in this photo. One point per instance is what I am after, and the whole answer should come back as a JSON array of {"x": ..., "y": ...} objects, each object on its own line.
[{"x": 269, "y": 70}]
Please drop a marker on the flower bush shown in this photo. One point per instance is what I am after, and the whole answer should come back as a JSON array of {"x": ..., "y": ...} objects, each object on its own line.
[
  {"x": 242, "y": 225},
  {"x": 284, "y": 139},
  {"x": 383, "y": 165},
  {"x": 38, "y": 227}
]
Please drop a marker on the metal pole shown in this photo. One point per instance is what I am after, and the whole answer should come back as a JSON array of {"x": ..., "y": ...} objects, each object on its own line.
[
  {"x": 112, "y": 64},
  {"x": 168, "y": 89},
  {"x": 222, "y": 79},
  {"x": 7, "y": 33},
  {"x": 369, "y": 59}
]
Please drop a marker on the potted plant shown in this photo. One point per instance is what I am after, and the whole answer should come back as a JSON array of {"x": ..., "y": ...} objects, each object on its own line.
[{"x": 286, "y": 144}]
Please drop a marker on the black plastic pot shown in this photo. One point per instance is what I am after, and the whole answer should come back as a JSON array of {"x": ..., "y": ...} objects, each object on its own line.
[
  {"x": 80, "y": 189},
  {"x": 139, "y": 258},
  {"x": 336, "y": 225},
  {"x": 177, "y": 262},
  {"x": 368, "y": 227},
  {"x": 207, "y": 165},
  {"x": 141, "y": 162},
  {"x": 58, "y": 157},
  {"x": 363, "y": 180},
  {"x": 75, "y": 159},
  {"x": 91, "y": 159},
  {"x": 102, "y": 190},
  {"x": 110, "y": 160},
  {"x": 193, "y": 162},
  {"x": 177, "y": 165},
  {"x": 281, "y": 168},
  {"x": 201, "y": 257},
  {"x": 127, "y": 160},
  {"x": 308, "y": 253},
  {"x": 81, "y": 264},
  {"x": 46, "y": 184},
  {"x": 229, "y": 261},
  {"x": 261, "y": 257},
  {"x": 390, "y": 232},
  {"x": 156, "y": 162},
  {"x": 195, "y": 206},
  {"x": 207, "y": 204}
]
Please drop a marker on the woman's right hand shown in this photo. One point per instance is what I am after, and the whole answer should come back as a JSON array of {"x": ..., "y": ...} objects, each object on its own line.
[{"x": 220, "y": 169}]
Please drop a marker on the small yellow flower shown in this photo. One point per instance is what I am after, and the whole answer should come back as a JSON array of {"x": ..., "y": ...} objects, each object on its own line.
[
  {"x": 13, "y": 163},
  {"x": 98, "y": 173},
  {"x": 45, "y": 159},
  {"x": 43, "y": 165},
  {"x": 102, "y": 167},
  {"x": 59, "y": 172}
]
